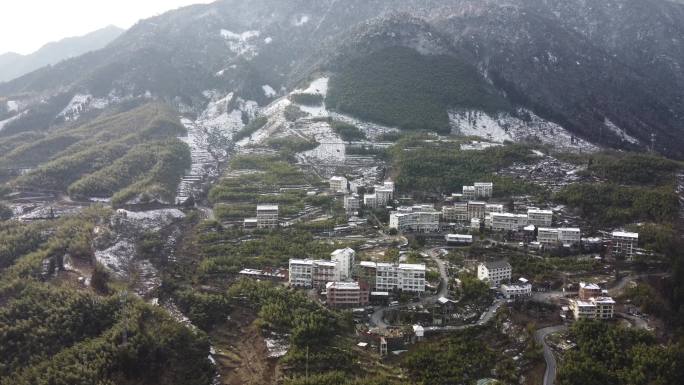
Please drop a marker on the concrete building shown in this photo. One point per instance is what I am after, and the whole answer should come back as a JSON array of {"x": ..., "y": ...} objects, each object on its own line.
[
  {"x": 346, "y": 294},
  {"x": 493, "y": 208},
  {"x": 539, "y": 218},
  {"x": 456, "y": 213},
  {"x": 469, "y": 193},
  {"x": 601, "y": 308},
  {"x": 345, "y": 262},
  {"x": 422, "y": 219},
  {"x": 352, "y": 204},
  {"x": 508, "y": 221},
  {"x": 554, "y": 237},
  {"x": 267, "y": 216},
  {"x": 494, "y": 272},
  {"x": 516, "y": 290},
  {"x": 402, "y": 277},
  {"x": 383, "y": 196},
  {"x": 625, "y": 243},
  {"x": 458, "y": 239},
  {"x": 589, "y": 290},
  {"x": 309, "y": 273},
  {"x": 484, "y": 190},
  {"x": 475, "y": 223},
  {"x": 477, "y": 209},
  {"x": 339, "y": 184},
  {"x": 370, "y": 201}
]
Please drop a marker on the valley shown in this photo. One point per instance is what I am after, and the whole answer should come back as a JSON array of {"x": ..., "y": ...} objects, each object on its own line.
[{"x": 350, "y": 193}]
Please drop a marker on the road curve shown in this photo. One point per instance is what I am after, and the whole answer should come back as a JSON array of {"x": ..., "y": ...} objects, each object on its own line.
[{"x": 551, "y": 366}]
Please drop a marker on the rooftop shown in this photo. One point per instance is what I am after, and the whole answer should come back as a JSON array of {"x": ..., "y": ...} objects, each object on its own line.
[
  {"x": 343, "y": 285},
  {"x": 497, "y": 265},
  {"x": 623, "y": 234},
  {"x": 267, "y": 208}
]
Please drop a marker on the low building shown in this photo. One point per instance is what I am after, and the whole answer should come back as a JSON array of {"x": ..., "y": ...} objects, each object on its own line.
[
  {"x": 267, "y": 216},
  {"x": 494, "y": 208},
  {"x": 265, "y": 274},
  {"x": 625, "y": 244},
  {"x": 475, "y": 224},
  {"x": 346, "y": 294},
  {"x": 345, "y": 261},
  {"x": 508, "y": 222},
  {"x": 539, "y": 218},
  {"x": 494, "y": 272},
  {"x": 601, "y": 308},
  {"x": 516, "y": 290},
  {"x": 484, "y": 189},
  {"x": 458, "y": 239},
  {"x": 250, "y": 223},
  {"x": 339, "y": 184}
]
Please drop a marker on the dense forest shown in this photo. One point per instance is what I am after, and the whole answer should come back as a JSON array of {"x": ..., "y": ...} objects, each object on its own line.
[{"x": 400, "y": 87}]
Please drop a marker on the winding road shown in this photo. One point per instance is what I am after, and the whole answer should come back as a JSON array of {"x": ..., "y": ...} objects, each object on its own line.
[{"x": 551, "y": 365}]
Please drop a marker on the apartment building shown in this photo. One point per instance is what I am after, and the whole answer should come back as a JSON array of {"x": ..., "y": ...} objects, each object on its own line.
[
  {"x": 352, "y": 204},
  {"x": 422, "y": 218},
  {"x": 469, "y": 193},
  {"x": 346, "y": 294},
  {"x": 339, "y": 184},
  {"x": 539, "y": 218},
  {"x": 493, "y": 208},
  {"x": 383, "y": 196},
  {"x": 589, "y": 290},
  {"x": 601, "y": 308},
  {"x": 370, "y": 201},
  {"x": 484, "y": 190},
  {"x": 267, "y": 216},
  {"x": 477, "y": 209},
  {"x": 310, "y": 273},
  {"x": 402, "y": 277},
  {"x": 625, "y": 243},
  {"x": 553, "y": 237},
  {"x": 517, "y": 290},
  {"x": 456, "y": 213},
  {"x": 508, "y": 221},
  {"x": 494, "y": 272},
  {"x": 345, "y": 262}
]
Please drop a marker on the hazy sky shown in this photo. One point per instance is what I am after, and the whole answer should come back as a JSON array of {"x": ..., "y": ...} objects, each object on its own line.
[{"x": 25, "y": 25}]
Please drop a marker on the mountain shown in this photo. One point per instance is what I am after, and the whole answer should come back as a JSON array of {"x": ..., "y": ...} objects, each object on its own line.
[
  {"x": 13, "y": 65},
  {"x": 609, "y": 73}
]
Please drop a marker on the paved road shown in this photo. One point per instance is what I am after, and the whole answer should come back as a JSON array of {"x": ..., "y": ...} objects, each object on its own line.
[{"x": 551, "y": 365}]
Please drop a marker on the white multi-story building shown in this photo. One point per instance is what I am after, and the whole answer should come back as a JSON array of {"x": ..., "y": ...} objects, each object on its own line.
[
  {"x": 494, "y": 272},
  {"x": 625, "y": 243},
  {"x": 469, "y": 193},
  {"x": 477, "y": 210},
  {"x": 475, "y": 223},
  {"x": 484, "y": 190},
  {"x": 566, "y": 236},
  {"x": 403, "y": 277},
  {"x": 352, "y": 203},
  {"x": 494, "y": 208},
  {"x": 345, "y": 262},
  {"x": 370, "y": 201},
  {"x": 267, "y": 216},
  {"x": 301, "y": 272},
  {"x": 422, "y": 218},
  {"x": 539, "y": 218},
  {"x": 594, "y": 308},
  {"x": 508, "y": 221},
  {"x": 339, "y": 184},
  {"x": 456, "y": 213},
  {"x": 384, "y": 196},
  {"x": 516, "y": 290}
]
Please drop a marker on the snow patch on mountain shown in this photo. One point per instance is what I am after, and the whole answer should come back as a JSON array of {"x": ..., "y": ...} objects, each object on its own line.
[
  {"x": 301, "y": 20},
  {"x": 269, "y": 91},
  {"x": 241, "y": 43},
  {"x": 620, "y": 132},
  {"x": 318, "y": 87},
  {"x": 18, "y": 116},
  {"x": 524, "y": 125},
  {"x": 12, "y": 106},
  {"x": 80, "y": 104}
]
